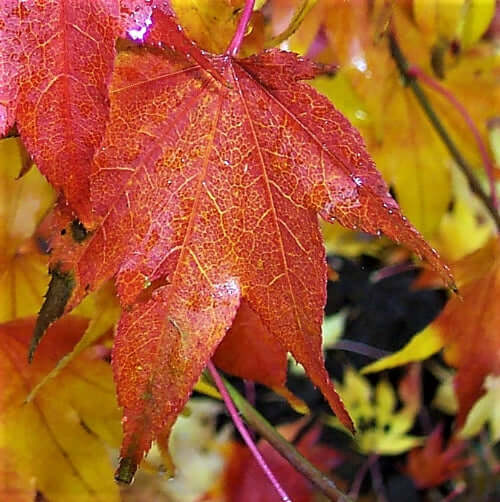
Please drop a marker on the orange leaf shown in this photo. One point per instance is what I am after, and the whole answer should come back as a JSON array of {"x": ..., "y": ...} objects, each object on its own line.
[
  {"x": 433, "y": 464},
  {"x": 207, "y": 194},
  {"x": 56, "y": 58},
  {"x": 470, "y": 325},
  {"x": 249, "y": 350},
  {"x": 14, "y": 485},
  {"x": 55, "y": 443}
]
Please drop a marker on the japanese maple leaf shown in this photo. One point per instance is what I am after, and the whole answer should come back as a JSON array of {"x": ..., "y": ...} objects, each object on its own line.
[
  {"x": 56, "y": 60},
  {"x": 55, "y": 442},
  {"x": 432, "y": 464},
  {"x": 470, "y": 326},
  {"x": 207, "y": 195},
  {"x": 467, "y": 329}
]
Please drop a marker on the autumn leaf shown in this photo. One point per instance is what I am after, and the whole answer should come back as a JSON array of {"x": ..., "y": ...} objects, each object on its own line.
[
  {"x": 381, "y": 428},
  {"x": 207, "y": 193},
  {"x": 240, "y": 352},
  {"x": 244, "y": 480},
  {"x": 23, "y": 265},
  {"x": 460, "y": 21},
  {"x": 199, "y": 451},
  {"x": 433, "y": 464},
  {"x": 57, "y": 57},
  {"x": 67, "y": 422},
  {"x": 467, "y": 329},
  {"x": 56, "y": 60},
  {"x": 368, "y": 88},
  {"x": 15, "y": 486},
  {"x": 486, "y": 410},
  {"x": 212, "y": 23}
]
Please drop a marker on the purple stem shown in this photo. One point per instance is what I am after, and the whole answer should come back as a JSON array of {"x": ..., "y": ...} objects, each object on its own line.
[
  {"x": 415, "y": 71},
  {"x": 377, "y": 480},
  {"x": 391, "y": 270},
  {"x": 318, "y": 44},
  {"x": 251, "y": 398},
  {"x": 250, "y": 392},
  {"x": 235, "y": 44},
  {"x": 360, "y": 476},
  {"x": 244, "y": 433}
]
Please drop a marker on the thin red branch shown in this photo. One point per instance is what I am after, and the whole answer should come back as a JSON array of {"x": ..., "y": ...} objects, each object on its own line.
[{"x": 244, "y": 432}]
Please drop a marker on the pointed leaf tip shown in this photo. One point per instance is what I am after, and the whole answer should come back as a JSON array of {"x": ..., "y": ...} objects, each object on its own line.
[
  {"x": 60, "y": 288},
  {"x": 126, "y": 470}
]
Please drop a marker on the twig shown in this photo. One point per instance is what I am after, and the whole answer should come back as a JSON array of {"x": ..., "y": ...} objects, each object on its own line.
[
  {"x": 422, "y": 98},
  {"x": 377, "y": 480},
  {"x": 391, "y": 270},
  {"x": 360, "y": 476},
  {"x": 245, "y": 434},
  {"x": 415, "y": 71},
  {"x": 250, "y": 391},
  {"x": 361, "y": 348},
  {"x": 300, "y": 13},
  {"x": 235, "y": 44},
  {"x": 266, "y": 430}
]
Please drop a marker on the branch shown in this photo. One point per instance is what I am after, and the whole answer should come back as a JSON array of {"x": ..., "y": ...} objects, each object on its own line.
[
  {"x": 244, "y": 433},
  {"x": 415, "y": 71},
  {"x": 274, "y": 438},
  {"x": 422, "y": 98}
]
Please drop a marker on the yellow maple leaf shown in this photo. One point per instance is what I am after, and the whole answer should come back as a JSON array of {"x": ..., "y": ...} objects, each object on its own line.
[
  {"x": 23, "y": 202},
  {"x": 58, "y": 439},
  {"x": 380, "y": 428},
  {"x": 212, "y": 23}
]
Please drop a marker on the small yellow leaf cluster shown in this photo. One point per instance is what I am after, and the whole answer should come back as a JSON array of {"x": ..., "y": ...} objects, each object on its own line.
[{"x": 381, "y": 428}]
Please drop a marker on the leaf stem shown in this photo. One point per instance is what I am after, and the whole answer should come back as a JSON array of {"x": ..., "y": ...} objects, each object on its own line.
[
  {"x": 415, "y": 71},
  {"x": 235, "y": 44},
  {"x": 422, "y": 98},
  {"x": 298, "y": 16},
  {"x": 266, "y": 430},
  {"x": 244, "y": 433}
]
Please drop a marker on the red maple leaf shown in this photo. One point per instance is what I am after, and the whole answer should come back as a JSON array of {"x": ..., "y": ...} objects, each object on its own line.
[
  {"x": 56, "y": 62},
  {"x": 432, "y": 464},
  {"x": 244, "y": 480},
  {"x": 206, "y": 195}
]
